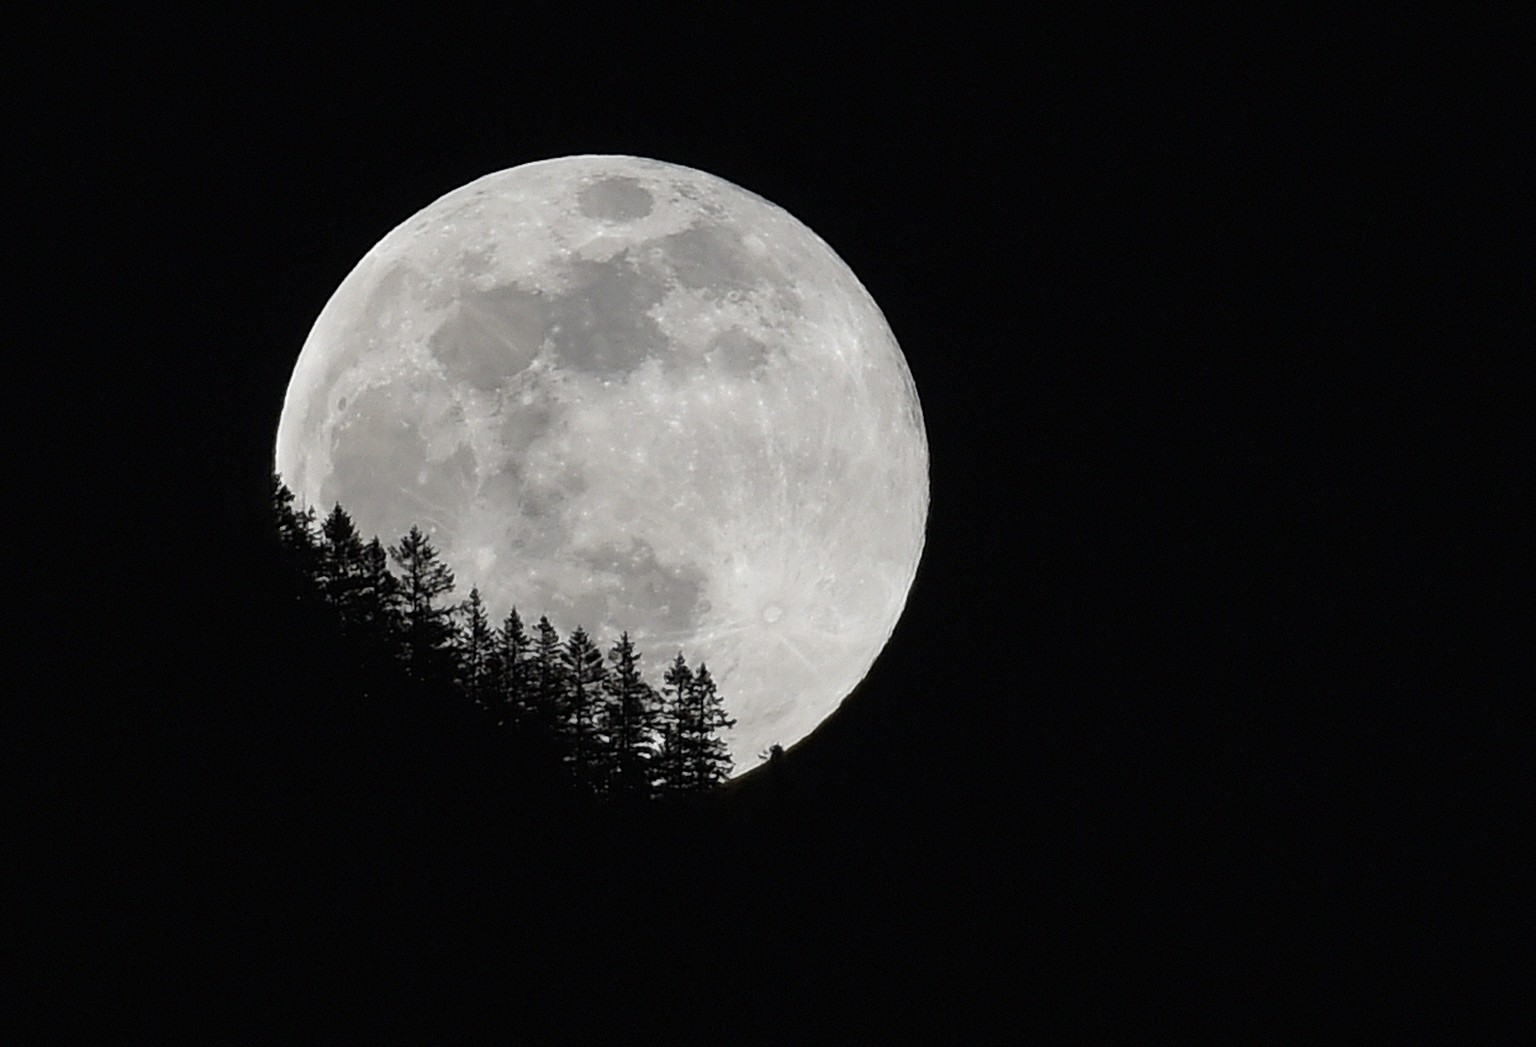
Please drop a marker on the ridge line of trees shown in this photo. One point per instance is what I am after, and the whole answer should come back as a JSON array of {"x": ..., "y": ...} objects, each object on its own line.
[{"x": 616, "y": 735}]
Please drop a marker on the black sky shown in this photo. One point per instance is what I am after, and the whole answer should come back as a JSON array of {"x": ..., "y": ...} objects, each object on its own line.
[{"x": 1204, "y": 617}]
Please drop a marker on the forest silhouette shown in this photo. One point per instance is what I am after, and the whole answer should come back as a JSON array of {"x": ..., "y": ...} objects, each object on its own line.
[
  {"x": 572, "y": 715},
  {"x": 419, "y": 792}
]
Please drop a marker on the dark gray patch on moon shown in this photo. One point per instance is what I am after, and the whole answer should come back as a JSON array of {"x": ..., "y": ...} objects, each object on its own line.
[
  {"x": 617, "y": 199},
  {"x": 520, "y": 425},
  {"x": 737, "y": 353},
  {"x": 394, "y": 287},
  {"x": 490, "y": 336},
  {"x": 600, "y": 325},
  {"x": 475, "y": 262},
  {"x": 530, "y": 527},
  {"x": 500, "y": 490},
  {"x": 664, "y": 596},
  {"x": 709, "y": 256},
  {"x": 547, "y": 500},
  {"x": 381, "y": 473}
]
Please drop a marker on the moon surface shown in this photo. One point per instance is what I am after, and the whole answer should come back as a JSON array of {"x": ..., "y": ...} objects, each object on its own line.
[{"x": 631, "y": 396}]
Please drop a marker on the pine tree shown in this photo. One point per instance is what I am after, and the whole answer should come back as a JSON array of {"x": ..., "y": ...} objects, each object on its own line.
[
  {"x": 377, "y": 600},
  {"x": 295, "y": 530},
  {"x": 628, "y": 724},
  {"x": 546, "y": 679},
  {"x": 474, "y": 645},
  {"x": 694, "y": 758},
  {"x": 512, "y": 667},
  {"x": 339, "y": 569},
  {"x": 677, "y": 687},
  {"x": 582, "y": 662},
  {"x": 708, "y": 757},
  {"x": 427, "y": 626}
]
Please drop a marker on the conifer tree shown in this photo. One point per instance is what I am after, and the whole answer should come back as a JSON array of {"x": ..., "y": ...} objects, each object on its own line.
[
  {"x": 427, "y": 627},
  {"x": 677, "y": 687},
  {"x": 377, "y": 599},
  {"x": 707, "y": 759},
  {"x": 339, "y": 569},
  {"x": 512, "y": 665},
  {"x": 694, "y": 758},
  {"x": 295, "y": 530},
  {"x": 582, "y": 662},
  {"x": 547, "y": 686},
  {"x": 474, "y": 646},
  {"x": 628, "y": 724}
]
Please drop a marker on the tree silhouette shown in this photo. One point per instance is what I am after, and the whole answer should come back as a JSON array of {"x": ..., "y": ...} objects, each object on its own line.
[
  {"x": 295, "y": 529},
  {"x": 677, "y": 685},
  {"x": 340, "y": 566},
  {"x": 584, "y": 675},
  {"x": 427, "y": 626},
  {"x": 474, "y": 647},
  {"x": 628, "y": 724},
  {"x": 512, "y": 668},
  {"x": 610, "y": 729},
  {"x": 547, "y": 691},
  {"x": 377, "y": 601},
  {"x": 694, "y": 758},
  {"x": 708, "y": 760}
]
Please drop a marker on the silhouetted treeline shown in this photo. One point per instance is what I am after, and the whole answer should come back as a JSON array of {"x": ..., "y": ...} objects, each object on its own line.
[{"x": 596, "y": 719}]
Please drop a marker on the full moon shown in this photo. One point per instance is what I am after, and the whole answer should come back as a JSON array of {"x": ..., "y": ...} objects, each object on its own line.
[{"x": 631, "y": 396}]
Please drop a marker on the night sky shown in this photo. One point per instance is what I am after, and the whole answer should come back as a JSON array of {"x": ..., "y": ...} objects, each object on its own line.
[{"x": 1194, "y": 705}]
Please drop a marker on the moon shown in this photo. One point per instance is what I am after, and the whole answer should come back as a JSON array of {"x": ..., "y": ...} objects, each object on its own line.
[{"x": 633, "y": 396}]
